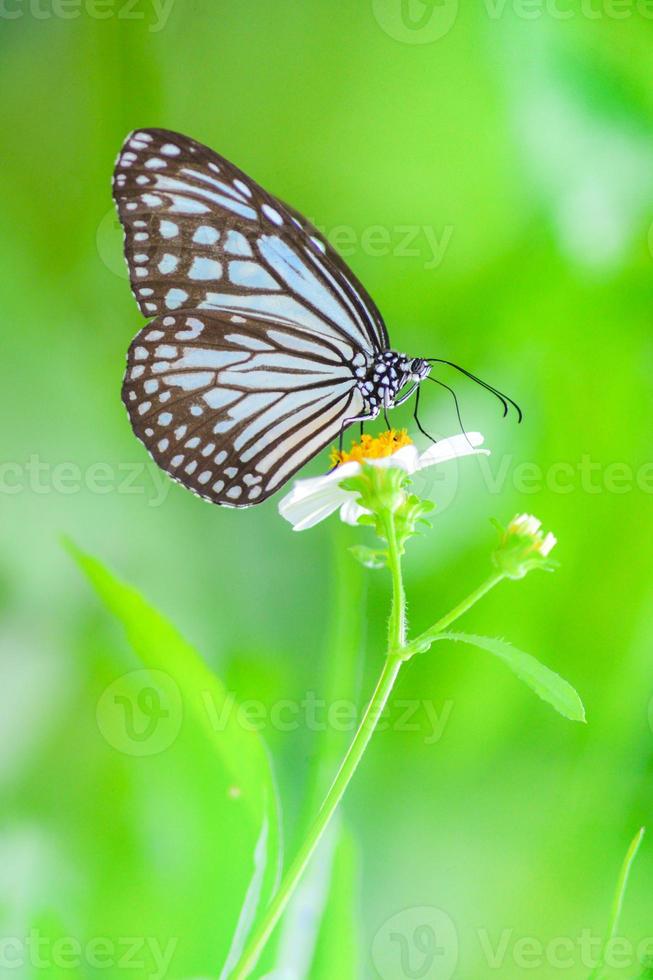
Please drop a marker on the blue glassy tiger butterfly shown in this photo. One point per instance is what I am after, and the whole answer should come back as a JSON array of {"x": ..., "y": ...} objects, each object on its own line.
[{"x": 263, "y": 345}]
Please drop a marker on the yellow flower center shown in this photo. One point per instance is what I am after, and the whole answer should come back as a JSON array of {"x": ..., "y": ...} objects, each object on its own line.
[{"x": 372, "y": 447}]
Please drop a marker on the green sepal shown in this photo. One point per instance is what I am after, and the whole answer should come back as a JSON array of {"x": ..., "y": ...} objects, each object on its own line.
[{"x": 383, "y": 491}]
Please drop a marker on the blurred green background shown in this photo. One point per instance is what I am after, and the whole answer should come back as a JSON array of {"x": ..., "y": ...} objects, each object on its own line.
[{"x": 488, "y": 173}]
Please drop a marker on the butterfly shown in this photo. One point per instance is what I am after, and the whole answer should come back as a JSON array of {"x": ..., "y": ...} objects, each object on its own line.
[{"x": 263, "y": 346}]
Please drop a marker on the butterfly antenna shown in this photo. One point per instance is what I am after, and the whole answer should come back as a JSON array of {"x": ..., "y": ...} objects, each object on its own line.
[
  {"x": 455, "y": 400},
  {"x": 504, "y": 399}
]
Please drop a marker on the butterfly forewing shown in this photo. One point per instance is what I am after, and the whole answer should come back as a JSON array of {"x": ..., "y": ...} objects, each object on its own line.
[
  {"x": 200, "y": 234},
  {"x": 233, "y": 406}
]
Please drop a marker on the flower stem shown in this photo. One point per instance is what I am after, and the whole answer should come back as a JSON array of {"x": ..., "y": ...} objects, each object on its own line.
[
  {"x": 397, "y": 622},
  {"x": 353, "y": 756},
  {"x": 424, "y": 640}
]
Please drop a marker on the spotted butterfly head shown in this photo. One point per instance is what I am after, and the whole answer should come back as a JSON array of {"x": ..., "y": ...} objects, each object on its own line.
[
  {"x": 418, "y": 369},
  {"x": 388, "y": 375}
]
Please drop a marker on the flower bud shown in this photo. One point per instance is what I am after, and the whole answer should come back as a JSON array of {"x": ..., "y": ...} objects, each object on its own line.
[{"x": 523, "y": 546}]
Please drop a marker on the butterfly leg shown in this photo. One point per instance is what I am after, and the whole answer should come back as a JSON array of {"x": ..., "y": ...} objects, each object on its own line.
[
  {"x": 368, "y": 417},
  {"x": 417, "y": 421}
]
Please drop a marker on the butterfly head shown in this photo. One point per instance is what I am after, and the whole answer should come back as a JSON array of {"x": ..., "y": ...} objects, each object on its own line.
[
  {"x": 417, "y": 369},
  {"x": 388, "y": 375}
]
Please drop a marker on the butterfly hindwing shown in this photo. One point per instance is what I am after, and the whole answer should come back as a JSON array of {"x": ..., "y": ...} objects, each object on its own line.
[
  {"x": 200, "y": 234},
  {"x": 232, "y": 406}
]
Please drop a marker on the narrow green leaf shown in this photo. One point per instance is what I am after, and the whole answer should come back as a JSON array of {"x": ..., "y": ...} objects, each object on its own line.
[
  {"x": 240, "y": 752},
  {"x": 337, "y": 953},
  {"x": 617, "y": 905},
  {"x": 547, "y": 685}
]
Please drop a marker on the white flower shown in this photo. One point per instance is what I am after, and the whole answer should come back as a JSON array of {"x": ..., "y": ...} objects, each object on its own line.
[
  {"x": 529, "y": 526},
  {"x": 523, "y": 545},
  {"x": 311, "y": 501}
]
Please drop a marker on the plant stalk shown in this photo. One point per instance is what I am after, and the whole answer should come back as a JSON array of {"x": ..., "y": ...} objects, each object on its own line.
[
  {"x": 349, "y": 765},
  {"x": 422, "y": 642}
]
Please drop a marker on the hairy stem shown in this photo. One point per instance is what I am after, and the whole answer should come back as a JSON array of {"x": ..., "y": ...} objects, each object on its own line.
[
  {"x": 422, "y": 642},
  {"x": 349, "y": 765},
  {"x": 397, "y": 622}
]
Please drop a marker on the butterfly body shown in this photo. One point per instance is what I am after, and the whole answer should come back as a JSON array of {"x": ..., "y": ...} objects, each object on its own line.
[
  {"x": 388, "y": 376},
  {"x": 263, "y": 346}
]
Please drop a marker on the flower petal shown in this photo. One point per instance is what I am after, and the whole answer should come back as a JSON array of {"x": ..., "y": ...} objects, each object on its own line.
[
  {"x": 452, "y": 448},
  {"x": 407, "y": 458},
  {"x": 351, "y": 510},
  {"x": 311, "y": 501}
]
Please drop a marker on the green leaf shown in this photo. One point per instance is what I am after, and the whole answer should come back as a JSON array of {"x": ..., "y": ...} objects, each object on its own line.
[
  {"x": 617, "y": 906},
  {"x": 547, "y": 685},
  {"x": 337, "y": 953},
  {"x": 318, "y": 937},
  {"x": 244, "y": 810}
]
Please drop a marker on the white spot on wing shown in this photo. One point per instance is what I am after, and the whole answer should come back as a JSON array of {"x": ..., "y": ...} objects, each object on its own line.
[
  {"x": 165, "y": 183},
  {"x": 175, "y": 298},
  {"x": 195, "y": 328},
  {"x": 242, "y": 186},
  {"x": 165, "y": 350},
  {"x": 186, "y": 205},
  {"x": 250, "y": 274},
  {"x": 237, "y": 244},
  {"x": 204, "y": 269},
  {"x": 190, "y": 380},
  {"x": 207, "y": 357},
  {"x": 219, "y": 397},
  {"x": 249, "y": 343},
  {"x": 168, "y": 229},
  {"x": 206, "y": 235},
  {"x": 168, "y": 263},
  {"x": 272, "y": 214}
]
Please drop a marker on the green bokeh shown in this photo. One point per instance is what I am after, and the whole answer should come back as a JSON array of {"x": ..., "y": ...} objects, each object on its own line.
[{"x": 523, "y": 144}]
